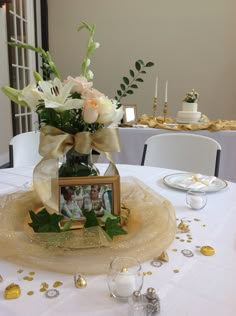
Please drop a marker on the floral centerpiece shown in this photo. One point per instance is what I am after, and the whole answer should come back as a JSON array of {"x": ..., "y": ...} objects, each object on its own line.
[{"x": 72, "y": 116}]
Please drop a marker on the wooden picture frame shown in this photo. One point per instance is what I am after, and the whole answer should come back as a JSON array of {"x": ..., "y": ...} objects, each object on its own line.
[
  {"x": 130, "y": 113},
  {"x": 81, "y": 194}
]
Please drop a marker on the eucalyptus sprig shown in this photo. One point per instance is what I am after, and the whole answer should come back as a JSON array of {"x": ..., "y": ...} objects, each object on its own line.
[
  {"x": 129, "y": 84},
  {"x": 91, "y": 46}
]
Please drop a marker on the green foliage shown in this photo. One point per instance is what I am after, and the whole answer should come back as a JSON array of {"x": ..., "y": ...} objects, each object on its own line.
[
  {"x": 128, "y": 85},
  {"x": 91, "y": 219},
  {"x": 113, "y": 228},
  {"x": 43, "y": 222}
]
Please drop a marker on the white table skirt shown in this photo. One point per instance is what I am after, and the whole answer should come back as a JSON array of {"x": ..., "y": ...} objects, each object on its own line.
[
  {"x": 204, "y": 285},
  {"x": 132, "y": 141}
]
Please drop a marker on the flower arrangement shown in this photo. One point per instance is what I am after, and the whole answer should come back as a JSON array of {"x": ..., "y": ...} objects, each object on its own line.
[
  {"x": 71, "y": 105},
  {"x": 191, "y": 97}
]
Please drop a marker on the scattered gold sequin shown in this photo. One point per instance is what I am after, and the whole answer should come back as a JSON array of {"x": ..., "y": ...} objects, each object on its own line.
[
  {"x": 183, "y": 227},
  {"x": 189, "y": 240},
  {"x": 182, "y": 240},
  {"x": 31, "y": 273},
  {"x": 147, "y": 273},
  {"x": 197, "y": 219},
  {"x": 12, "y": 291},
  {"x": 207, "y": 250},
  {"x": 44, "y": 284},
  {"x": 20, "y": 270},
  {"x": 43, "y": 289},
  {"x": 174, "y": 249},
  {"x": 28, "y": 278},
  {"x": 177, "y": 237},
  {"x": 30, "y": 292},
  {"x": 176, "y": 270},
  {"x": 57, "y": 284}
]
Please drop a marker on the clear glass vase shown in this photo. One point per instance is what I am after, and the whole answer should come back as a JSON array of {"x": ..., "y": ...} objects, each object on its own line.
[{"x": 78, "y": 165}]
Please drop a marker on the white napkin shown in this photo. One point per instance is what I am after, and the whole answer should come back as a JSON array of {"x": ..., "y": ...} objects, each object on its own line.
[{"x": 196, "y": 181}]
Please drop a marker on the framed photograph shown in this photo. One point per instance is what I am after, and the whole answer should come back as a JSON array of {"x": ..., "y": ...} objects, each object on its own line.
[
  {"x": 130, "y": 113},
  {"x": 79, "y": 195}
]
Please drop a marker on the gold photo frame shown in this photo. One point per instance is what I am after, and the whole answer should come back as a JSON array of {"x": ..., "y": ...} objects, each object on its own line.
[
  {"x": 78, "y": 195},
  {"x": 130, "y": 113}
]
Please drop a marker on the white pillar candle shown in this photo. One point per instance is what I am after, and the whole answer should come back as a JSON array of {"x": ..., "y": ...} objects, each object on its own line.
[
  {"x": 125, "y": 284},
  {"x": 166, "y": 91},
  {"x": 156, "y": 87}
]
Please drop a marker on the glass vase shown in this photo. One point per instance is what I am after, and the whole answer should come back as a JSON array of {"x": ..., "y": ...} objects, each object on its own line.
[{"x": 78, "y": 165}]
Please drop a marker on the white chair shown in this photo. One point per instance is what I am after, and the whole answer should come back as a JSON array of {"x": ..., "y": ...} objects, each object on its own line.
[
  {"x": 23, "y": 150},
  {"x": 183, "y": 151}
]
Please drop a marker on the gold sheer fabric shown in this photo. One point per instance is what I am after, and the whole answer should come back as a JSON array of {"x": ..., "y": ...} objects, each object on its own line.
[{"x": 151, "y": 229}]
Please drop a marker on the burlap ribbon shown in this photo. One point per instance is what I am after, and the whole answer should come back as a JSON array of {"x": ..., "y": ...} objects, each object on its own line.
[{"x": 55, "y": 143}]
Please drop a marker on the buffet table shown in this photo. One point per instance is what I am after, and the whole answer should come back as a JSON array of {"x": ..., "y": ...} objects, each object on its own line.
[
  {"x": 133, "y": 139},
  {"x": 197, "y": 285}
]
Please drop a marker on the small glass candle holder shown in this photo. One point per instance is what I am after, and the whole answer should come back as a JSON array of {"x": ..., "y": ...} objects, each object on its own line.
[
  {"x": 196, "y": 199},
  {"x": 125, "y": 276}
]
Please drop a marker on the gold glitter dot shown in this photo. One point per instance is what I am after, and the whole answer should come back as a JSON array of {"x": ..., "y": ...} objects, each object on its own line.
[
  {"x": 207, "y": 250},
  {"x": 189, "y": 240},
  {"x": 182, "y": 240},
  {"x": 31, "y": 273},
  {"x": 174, "y": 250},
  {"x": 30, "y": 293},
  {"x": 197, "y": 246},
  {"x": 43, "y": 289},
  {"x": 176, "y": 270},
  {"x": 197, "y": 219},
  {"x": 20, "y": 270},
  {"x": 27, "y": 278},
  {"x": 149, "y": 273},
  {"x": 57, "y": 284},
  {"x": 44, "y": 284},
  {"x": 188, "y": 235}
]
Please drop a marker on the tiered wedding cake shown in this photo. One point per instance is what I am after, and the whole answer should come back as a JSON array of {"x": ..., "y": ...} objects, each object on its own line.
[{"x": 189, "y": 113}]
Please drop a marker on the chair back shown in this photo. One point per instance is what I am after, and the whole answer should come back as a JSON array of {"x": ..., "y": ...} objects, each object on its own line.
[
  {"x": 183, "y": 151},
  {"x": 23, "y": 149}
]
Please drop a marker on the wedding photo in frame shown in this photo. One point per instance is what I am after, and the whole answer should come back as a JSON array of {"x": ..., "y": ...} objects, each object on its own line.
[
  {"x": 130, "y": 113},
  {"x": 79, "y": 195}
]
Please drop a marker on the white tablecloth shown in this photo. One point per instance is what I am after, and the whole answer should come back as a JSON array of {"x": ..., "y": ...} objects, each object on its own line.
[
  {"x": 204, "y": 285},
  {"x": 133, "y": 139}
]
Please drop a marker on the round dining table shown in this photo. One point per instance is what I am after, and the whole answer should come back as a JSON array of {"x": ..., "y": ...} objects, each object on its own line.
[{"x": 192, "y": 285}]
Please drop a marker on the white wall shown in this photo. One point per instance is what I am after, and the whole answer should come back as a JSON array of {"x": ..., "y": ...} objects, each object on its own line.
[
  {"x": 5, "y": 107},
  {"x": 192, "y": 43}
]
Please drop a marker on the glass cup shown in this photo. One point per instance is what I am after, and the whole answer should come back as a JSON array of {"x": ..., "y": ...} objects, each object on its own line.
[
  {"x": 125, "y": 276},
  {"x": 196, "y": 199}
]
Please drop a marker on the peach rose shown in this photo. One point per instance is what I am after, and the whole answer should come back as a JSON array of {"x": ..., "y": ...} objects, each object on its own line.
[{"x": 80, "y": 84}]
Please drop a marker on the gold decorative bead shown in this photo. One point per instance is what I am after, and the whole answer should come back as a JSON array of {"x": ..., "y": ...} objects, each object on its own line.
[
  {"x": 57, "y": 284},
  {"x": 80, "y": 281},
  {"x": 12, "y": 291},
  {"x": 207, "y": 250},
  {"x": 163, "y": 256}
]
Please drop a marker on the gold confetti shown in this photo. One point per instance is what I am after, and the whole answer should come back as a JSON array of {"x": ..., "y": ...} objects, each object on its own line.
[
  {"x": 30, "y": 292},
  {"x": 57, "y": 284},
  {"x": 31, "y": 273},
  {"x": 27, "y": 278},
  {"x": 163, "y": 256},
  {"x": 44, "y": 284},
  {"x": 43, "y": 289},
  {"x": 204, "y": 225},
  {"x": 176, "y": 270},
  {"x": 197, "y": 246},
  {"x": 12, "y": 291},
  {"x": 20, "y": 270},
  {"x": 182, "y": 240},
  {"x": 197, "y": 219},
  {"x": 207, "y": 250},
  {"x": 174, "y": 250},
  {"x": 177, "y": 237},
  {"x": 149, "y": 272},
  {"x": 189, "y": 240}
]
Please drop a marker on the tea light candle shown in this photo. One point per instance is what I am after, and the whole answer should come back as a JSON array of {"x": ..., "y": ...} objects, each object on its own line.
[
  {"x": 125, "y": 284},
  {"x": 196, "y": 202}
]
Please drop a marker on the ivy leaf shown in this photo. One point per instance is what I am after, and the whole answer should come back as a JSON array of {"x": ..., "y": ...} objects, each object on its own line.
[
  {"x": 91, "y": 219},
  {"x": 126, "y": 80},
  {"x": 113, "y": 228},
  {"x": 149, "y": 64},
  {"x": 67, "y": 225},
  {"x": 43, "y": 222}
]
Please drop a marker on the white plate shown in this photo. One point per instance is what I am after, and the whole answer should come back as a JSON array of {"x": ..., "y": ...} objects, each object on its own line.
[{"x": 173, "y": 181}]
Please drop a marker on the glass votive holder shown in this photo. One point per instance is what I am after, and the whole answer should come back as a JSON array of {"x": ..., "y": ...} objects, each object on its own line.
[
  {"x": 125, "y": 276},
  {"x": 196, "y": 199}
]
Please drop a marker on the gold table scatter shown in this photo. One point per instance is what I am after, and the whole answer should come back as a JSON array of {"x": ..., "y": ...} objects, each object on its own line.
[
  {"x": 80, "y": 282},
  {"x": 57, "y": 284},
  {"x": 20, "y": 270},
  {"x": 44, "y": 284},
  {"x": 31, "y": 273},
  {"x": 176, "y": 270},
  {"x": 43, "y": 289},
  {"x": 1, "y": 279},
  {"x": 147, "y": 273},
  {"x": 164, "y": 257},
  {"x": 28, "y": 278},
  {"x": 184, "y": 228},
  {"x": 207, "y": 250},
  {"x": 174, "y": 250},
  {"x": 30, "y": 292},
  {"x": 12, "y": 291}
]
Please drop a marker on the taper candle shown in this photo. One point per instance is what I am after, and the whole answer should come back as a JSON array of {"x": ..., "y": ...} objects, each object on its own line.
[{"x": 166, "y": 91}]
